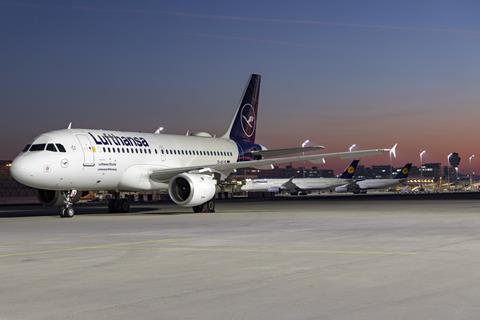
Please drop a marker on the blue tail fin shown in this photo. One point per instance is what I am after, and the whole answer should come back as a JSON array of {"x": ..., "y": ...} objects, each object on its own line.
[
  {"x": 243, "y": 126},
  {"x": 403, "y": 174},
  {"x": 350, "y": 170}
]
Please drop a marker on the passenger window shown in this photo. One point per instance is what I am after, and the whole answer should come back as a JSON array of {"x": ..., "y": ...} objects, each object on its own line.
[
  {"x": 123, "y": 150},
  {"x": 51, "y": 147},
  {"x": 161, "y": 151},
  {"x": 25, "y": 149},
  {"x": 149, "y": 151},
  {"x": 38, "y": 147},
  {"x": 104, "y": 150},
  {"x": 109, "y": 150}
]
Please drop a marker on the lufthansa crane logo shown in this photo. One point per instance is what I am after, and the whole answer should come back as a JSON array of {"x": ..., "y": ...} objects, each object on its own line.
[
  {"x": 248, "y": 119},
  {"x": 405, "y": 170},
  {"x": 351, "y": 170}
]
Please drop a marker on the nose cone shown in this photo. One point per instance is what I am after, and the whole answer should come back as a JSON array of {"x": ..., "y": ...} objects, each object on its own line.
[{"x": 21, "y": 171}]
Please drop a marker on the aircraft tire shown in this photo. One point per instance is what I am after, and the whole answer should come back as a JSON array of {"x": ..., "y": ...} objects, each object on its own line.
[{"x": 67, "y": 212}]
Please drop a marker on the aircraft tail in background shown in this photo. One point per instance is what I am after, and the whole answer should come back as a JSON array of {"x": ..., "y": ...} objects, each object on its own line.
[
  {"x": 403, "y": 174},
  {"x": 350, "y": 170}
]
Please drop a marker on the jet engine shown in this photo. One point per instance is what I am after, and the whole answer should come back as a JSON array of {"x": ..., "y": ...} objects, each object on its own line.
[
  {"x": 341, "y": 189},
  {"x": 351, "y": 187},
  {"x": 52, "y": 198},
  {"x": 189, "y": 190}
]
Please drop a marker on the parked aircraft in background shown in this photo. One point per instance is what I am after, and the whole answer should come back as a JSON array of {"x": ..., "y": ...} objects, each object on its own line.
[
  {"x": 368, "y": 184},
  {"x": 296, "y": 185}
]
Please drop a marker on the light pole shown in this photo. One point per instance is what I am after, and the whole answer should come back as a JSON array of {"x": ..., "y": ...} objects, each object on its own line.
[
  {"x": 421, "y": 162},
  {"x": 353, "y": 146},
  {"x": 472, "y": 173},
  {"x": 448, "y": 169},
  {"x": 304, "y": 144}
]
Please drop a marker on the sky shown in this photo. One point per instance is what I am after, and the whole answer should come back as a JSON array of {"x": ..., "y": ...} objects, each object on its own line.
[{"x": 373, "y": 73}]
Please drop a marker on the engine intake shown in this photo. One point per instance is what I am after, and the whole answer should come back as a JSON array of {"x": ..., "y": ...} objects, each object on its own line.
[
  {"x": 189, "y": 190},
  {"x": 52, "y": 198}
]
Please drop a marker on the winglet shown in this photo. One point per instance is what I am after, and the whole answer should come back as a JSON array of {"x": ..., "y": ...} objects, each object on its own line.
[
  {"x": 69, "y": 126},
  {"x": 393, "y": 151}
]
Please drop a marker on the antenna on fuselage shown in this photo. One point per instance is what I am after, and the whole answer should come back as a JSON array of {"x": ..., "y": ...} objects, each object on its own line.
[
  {"x": 69, "y": 126},
  {"x": 159, "y": 130}
]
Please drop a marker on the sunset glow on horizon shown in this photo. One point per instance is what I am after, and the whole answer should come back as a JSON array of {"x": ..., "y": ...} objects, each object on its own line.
[{"x": 371, "y": 74}]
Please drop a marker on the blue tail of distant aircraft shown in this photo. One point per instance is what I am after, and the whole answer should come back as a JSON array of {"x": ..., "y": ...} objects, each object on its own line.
[
  {"x": 350, "y": 170},
  {"x": 403, "y": 174},
  {"x": 243, "y": 126}
]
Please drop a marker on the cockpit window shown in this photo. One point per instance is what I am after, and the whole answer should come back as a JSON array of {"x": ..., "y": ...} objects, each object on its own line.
[
  {"x": 26, "y": 148},
  {"x": 60, "y": 147},
  {"x": 37, "y": 147},
  {"x": 51, "y": 147}
]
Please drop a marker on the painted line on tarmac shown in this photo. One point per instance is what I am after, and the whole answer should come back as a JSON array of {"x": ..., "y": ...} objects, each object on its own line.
[
  {"x": 92, "y": 247},
  {"x": 303, "y": 251}
]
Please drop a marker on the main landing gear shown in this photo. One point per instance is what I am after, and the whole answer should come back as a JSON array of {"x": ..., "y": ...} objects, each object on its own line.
[
  {"x": 207, "y": 207},
  {"x": 118, "y": 205},
  {"x": 67, "y": 209}
]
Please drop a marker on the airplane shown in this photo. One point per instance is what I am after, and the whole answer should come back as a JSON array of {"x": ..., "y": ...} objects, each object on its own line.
[
  {"x": 362, "y": 186},
  {"x": 64, "y": 164},
  {"x": 296, "y": 185}
]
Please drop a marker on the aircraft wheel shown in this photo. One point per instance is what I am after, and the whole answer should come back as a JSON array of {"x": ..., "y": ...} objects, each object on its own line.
[
  {"x": 67, "y": 212},
  {"x": 210, "y": 206},
  {"x": 207, "y": 207}
]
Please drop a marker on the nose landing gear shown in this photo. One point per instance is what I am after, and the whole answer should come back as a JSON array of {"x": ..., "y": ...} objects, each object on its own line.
[{"x": 67, "y": 209}]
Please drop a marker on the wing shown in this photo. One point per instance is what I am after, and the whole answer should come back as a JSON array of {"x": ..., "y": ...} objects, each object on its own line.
[
  {"x": 286, "y": 151},
  {"x": 225, "y": 169}
]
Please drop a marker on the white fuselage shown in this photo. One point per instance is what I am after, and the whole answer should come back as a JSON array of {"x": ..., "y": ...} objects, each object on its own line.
[
  {"x": 378, "y": 183},
  {"x": 306, "y": 184},
  {"x": 115, "y": 160}
]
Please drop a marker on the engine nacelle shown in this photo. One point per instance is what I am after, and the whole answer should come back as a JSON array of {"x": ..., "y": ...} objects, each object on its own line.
[
  {"x": 52, "y": 198},
  {"x": 341, "y": 189},
  {"x": 352, "y": 187},
  {"x": 189, "y": 190}
]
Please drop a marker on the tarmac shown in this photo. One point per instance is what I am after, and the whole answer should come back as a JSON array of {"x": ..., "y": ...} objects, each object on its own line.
[{"x": 299, "y": 259}]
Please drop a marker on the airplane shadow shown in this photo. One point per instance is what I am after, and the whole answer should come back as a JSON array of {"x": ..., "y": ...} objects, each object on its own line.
[{"x": 38, "y": 211}]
